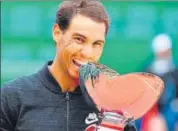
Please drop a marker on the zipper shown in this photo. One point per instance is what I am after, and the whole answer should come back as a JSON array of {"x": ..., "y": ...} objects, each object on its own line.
[{"x": 67, "y": 99}]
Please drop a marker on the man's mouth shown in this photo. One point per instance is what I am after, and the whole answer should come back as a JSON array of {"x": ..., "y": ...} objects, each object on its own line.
[{"x": 78, "y": 62}]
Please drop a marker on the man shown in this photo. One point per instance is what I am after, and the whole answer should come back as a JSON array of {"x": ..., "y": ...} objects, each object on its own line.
[
  {"x": 163, "y": 66},
  {"x": 51, "y": 100}
]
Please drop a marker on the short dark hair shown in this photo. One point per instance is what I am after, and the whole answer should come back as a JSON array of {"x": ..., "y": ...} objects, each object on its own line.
[{"x": 90, "y": 8}]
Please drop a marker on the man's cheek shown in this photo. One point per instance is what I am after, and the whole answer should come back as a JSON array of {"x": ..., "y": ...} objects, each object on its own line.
[
  {"x": 68, "y": 52},
  {"x": 75, "y": 48},
  {"x": 97, "y": 56}
]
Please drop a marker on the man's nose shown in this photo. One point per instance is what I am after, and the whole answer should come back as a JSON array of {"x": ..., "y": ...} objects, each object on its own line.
[{"x": 87, "y": 51}]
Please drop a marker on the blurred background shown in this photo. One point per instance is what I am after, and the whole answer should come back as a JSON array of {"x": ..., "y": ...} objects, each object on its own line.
[{"x": 143, "y": 36}]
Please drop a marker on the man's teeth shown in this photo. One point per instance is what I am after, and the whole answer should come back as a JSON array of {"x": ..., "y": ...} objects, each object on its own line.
[{"x": 80, "y": 62}]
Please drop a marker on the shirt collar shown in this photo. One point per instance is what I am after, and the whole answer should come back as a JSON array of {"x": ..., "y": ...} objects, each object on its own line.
[{"x": 49, "y": 81}]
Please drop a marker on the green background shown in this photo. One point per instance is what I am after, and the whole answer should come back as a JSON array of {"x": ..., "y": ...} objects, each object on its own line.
[{"x": 26, "y": 39}]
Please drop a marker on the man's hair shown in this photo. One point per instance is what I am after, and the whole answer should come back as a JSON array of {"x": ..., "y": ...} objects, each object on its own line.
[{"x": 89, "y": 8}]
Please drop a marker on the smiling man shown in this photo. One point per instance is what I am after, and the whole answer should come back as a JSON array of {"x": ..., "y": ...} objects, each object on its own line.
[
  {"x": 82, "y": 42},
  {"x": 51, "y": 100}
]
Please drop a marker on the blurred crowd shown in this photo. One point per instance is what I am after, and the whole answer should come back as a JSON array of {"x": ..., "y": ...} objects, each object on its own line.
[{"x": 164, "y": 115}]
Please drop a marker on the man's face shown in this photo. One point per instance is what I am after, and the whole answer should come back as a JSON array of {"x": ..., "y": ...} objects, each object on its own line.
[{"x": 82, "y": 42}]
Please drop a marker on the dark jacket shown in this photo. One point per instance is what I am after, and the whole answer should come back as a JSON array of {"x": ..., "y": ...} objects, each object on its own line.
[{"x": 36, "y": 103}]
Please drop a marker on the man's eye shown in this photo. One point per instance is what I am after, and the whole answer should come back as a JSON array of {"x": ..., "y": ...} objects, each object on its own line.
[
  {"x": 98, "y": 44},
  {"x": 79, "y": 40}
]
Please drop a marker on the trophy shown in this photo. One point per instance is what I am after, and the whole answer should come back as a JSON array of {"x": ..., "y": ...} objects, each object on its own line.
[{"x": 119, "y": 99}]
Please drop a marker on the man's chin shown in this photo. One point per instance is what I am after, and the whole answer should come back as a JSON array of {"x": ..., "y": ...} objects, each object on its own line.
[{"x": 74, "y": 75}]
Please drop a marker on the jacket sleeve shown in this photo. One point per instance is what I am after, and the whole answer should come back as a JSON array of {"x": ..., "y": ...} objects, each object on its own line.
[{"x": 9, "y": 109}]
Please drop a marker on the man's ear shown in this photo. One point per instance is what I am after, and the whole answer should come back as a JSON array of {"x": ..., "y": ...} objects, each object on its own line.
[{"x": 57, "y": 32}]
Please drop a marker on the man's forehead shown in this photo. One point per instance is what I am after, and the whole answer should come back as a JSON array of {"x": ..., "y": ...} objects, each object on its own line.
[{"x": 88, "y": 27}]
